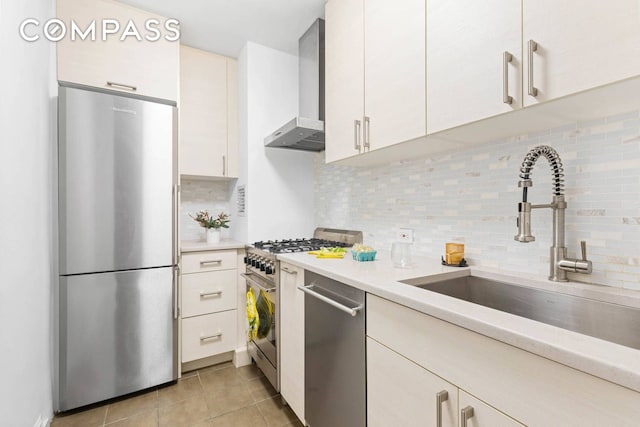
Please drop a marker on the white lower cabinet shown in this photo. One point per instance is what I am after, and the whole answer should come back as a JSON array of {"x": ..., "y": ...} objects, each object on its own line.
[
  {"x": 402, "y": 393},
  {"x": 412, "y": 355},
  {"x": 292, "y": 338},
  {"x": 208, "y": 335},
  {"x": 208, "y": 304},
  {"x": 475, "y": 413}
]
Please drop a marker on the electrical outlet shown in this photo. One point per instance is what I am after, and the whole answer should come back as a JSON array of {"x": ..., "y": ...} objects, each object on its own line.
[{"x": 405, "y": 235}]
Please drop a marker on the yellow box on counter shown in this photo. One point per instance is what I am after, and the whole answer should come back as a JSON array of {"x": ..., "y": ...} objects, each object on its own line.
[{"x": 454, "y": 252}]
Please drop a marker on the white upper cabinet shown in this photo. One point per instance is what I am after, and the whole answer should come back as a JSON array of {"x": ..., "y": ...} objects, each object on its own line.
[
  {"x": 208, "y": 114},
  {"x": 394, "y": 65},
  {"x": 344, "y": 78},
  {"x": 144, "y": 67},
  {"x": 474, "y": 61},
  {"x": 375, "y": 75},
  {"x": 581, "y": 44}
]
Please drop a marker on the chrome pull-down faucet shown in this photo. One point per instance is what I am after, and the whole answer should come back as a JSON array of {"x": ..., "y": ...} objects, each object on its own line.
[{"x": 559, "y": 263}]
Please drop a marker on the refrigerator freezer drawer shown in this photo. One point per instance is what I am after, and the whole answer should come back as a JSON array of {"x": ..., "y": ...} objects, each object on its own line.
[
  {"x": 209, "y": 292},
  {"x": 117, "y": 334},
  {"x": 208, "y": 335}
]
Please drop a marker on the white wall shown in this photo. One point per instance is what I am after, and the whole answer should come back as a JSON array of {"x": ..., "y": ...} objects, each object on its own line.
[
  {"x": 279, "y": 183},
  {"x": 471, "y": 195},
  {"x": 27, "y": 147}
]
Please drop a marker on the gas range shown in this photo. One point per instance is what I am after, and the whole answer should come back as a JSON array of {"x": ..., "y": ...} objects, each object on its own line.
[
  {"x": 297, "y": 245},
  {"x": 262, "y": 255},
  {"x": 262, "y": 275}
]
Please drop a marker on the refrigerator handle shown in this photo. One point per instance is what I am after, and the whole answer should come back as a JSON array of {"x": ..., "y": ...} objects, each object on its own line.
[
  {"x": 176, "y": 249},
  {"x": 176, "y": 217},
  {"x": 176, "y": 284}
]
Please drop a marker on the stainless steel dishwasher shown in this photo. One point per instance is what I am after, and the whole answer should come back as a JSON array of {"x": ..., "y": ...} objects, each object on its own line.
[{"x": 335, "y": 370}]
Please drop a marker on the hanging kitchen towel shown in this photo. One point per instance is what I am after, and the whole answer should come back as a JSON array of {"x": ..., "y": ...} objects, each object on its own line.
[
  {"x": 252, "y": 314},
  {"x": 265, "y": 314}
]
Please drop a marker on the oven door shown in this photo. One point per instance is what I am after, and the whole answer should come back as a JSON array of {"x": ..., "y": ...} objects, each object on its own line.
[{"x": 266, "y": 298}]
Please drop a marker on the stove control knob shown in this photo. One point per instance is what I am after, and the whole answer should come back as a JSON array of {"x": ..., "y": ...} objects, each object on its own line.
[
  {"x": 263, "y": 265},
  {"x": 246, "y": 260},
  {"x": 269, "y": 269},
  {"x": 253, "y": 261}
]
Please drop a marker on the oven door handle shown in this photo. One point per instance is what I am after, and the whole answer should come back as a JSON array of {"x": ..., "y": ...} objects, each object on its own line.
[
  {"x": 309, "y": 291},
  {"x": 258, "y": 284}
]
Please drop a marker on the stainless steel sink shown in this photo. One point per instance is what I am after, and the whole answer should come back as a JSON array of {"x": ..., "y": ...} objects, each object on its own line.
[{"x": 607, "y": 321}]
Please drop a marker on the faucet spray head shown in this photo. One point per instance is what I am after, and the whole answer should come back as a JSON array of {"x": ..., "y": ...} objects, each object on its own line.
[{"x": 524, "y": 223}]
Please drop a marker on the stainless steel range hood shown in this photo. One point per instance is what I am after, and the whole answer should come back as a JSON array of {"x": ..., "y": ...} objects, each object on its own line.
[{"x": 306, "y": 132}]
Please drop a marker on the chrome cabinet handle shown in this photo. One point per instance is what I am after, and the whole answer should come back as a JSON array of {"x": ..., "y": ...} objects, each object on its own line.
[
  {"x": 367, "y": 132},
  {"x": 441, "y": 397},
  {"x": 286, "y": 270},
  {"x": 465, "y": 414},
  {"x": 224, "y": 165},
  {"x": 356, "y": 134},
  {"x": 258, "y": 284},
  {"x": 213, "y": 261},
  {"x": 352, "y": 311},
  {"x": 204, "y": 294},
  {"x": 122, "y": 86},
  {"x": 506, "y": 59},
  {"x": 211, "y": 337},
  {"x": 532, "y": 47}
]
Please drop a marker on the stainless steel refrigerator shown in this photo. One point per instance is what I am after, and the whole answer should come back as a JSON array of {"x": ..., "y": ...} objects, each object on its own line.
[{"x": 117, "y": 213}]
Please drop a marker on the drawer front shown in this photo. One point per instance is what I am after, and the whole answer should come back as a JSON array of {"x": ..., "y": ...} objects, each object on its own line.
[
  {"x": 208, "y": 335},
  {"x": 208, "y": 261},
  {"x": 533, "y": 390},
  {"x": 208, "y": 292}
]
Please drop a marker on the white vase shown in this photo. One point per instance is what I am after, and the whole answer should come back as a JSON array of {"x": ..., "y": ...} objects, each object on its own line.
[{"x": 213, "y": 235}]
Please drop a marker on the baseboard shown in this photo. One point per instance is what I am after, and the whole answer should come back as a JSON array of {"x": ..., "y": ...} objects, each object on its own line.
[
  {"x": 241, "y": 357},
  {"x": 42, "y": 422},
  {"x": 207, "y": 361}
]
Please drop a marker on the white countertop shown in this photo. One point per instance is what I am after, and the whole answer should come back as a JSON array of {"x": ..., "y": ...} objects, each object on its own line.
[
  {"x": 612, "y": 362},
  {"x": 200, "y": 245}
]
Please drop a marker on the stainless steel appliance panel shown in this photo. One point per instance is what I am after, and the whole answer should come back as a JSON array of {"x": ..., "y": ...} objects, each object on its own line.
[
  {"x": 116, "y": 172},
  {"x": 335, "y": 369},
  {"x": 117, "y": 334}
]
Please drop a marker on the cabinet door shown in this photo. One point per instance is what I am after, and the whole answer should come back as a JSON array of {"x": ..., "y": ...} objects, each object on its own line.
[
  {"x": 481, "y": 414},
  {"x": 203, "y": 113},
  {"x": 292, "y": 337},
  {"x": 210, "y": 292},
  {"x": 232, "y": 118},
  {"x": 401, "y": 393},
  {"x": 148, "y": 68},
  {"x": 394, "y": 64},
  {"x": 465, "y": 67},
  {"x": 344, "y": 77},
  {"x": 208, "y": 335},
  {"x": 581, "y": 44}
]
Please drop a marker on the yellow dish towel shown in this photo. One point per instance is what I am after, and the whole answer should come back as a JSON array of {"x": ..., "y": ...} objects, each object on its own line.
[{"x": 252, "y": 314}]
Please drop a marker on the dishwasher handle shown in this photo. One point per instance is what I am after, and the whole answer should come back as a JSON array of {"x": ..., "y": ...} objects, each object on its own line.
[{"x": 309, "y": 291}]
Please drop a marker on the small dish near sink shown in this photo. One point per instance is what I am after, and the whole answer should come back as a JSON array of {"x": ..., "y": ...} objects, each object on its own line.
[{"x": 611, "y": 322}]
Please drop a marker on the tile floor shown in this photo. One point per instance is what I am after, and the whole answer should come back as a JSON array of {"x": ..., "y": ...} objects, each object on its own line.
[{"x": 217, "y": 396}]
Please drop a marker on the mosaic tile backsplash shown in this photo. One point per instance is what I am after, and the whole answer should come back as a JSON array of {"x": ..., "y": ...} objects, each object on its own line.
[
  {"x": 470, "y": 196},
  {"x": 199, "y": 195}
]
